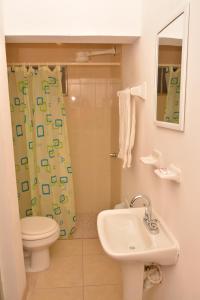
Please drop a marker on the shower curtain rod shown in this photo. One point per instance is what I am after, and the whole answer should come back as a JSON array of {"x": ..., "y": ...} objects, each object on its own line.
[
  {"x": 167, "y": 65},
  {"x": 65, "y": 64},
  {"x": 37, "y": 64}
]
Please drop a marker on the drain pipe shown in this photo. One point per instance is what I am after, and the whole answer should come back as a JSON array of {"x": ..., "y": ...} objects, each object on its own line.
[{"x": 152, "y": 276}]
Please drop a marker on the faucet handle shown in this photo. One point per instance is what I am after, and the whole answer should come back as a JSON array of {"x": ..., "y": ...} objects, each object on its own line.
[
  {"x": 147, "y": 214},
  {"x": 154, "y": 226},
  {"x": 151, "y": 224}
]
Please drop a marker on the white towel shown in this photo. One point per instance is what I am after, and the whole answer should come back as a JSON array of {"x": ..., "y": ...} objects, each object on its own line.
[
  {"x": 132, "y": 133},
  {"x": 126, "y": 127}
]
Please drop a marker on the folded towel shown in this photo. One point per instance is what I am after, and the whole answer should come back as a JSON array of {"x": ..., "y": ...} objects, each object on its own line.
[
  {"x": 132, "y": 133},
  {"x": 126, "y": 127}
]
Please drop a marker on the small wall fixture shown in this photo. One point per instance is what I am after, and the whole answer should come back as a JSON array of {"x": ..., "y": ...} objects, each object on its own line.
[
  {"x": 140, "y": 91},
  {"x": 155, "y": 159},
  {"x": 170, "y": 173}
]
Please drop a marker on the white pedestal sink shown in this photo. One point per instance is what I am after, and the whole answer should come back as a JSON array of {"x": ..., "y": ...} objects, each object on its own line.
[{"x": 124, "y": 237}]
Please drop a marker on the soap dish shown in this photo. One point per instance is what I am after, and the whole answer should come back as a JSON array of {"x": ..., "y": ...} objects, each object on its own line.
[
  {"x": 149, "y": 160},
  {"x": 155, "y": 159},
  {"x": 170, "y": 173}
]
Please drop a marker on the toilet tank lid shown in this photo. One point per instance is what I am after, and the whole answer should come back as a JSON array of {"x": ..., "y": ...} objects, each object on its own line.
[{"x": 37, "y": 225}]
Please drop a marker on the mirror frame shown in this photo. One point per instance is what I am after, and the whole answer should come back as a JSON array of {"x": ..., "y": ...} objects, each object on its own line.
[{"x": 180, "y": 126}]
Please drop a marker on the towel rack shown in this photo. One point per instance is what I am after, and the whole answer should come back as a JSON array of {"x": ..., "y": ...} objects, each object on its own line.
[{"x": 139, "y": 91}]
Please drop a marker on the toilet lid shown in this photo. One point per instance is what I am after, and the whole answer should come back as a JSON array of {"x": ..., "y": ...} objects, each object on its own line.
[{"x": 37, "y": 225}]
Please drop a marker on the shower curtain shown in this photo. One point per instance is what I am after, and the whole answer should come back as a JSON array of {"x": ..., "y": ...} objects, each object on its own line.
[
  {"x": 173, "y": 78},
  {"x": 42, "y": 158}
]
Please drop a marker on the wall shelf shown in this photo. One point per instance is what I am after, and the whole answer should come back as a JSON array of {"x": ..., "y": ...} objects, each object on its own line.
[
  {"x": 155, "y": 159},
  {"x": 95, "y": 64},
  {"x": 114, "y": 64},
  {"x": 170, "y": 173}
]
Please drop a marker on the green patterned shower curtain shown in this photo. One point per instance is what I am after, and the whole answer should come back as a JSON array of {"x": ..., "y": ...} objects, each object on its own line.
[
  {"x": 43, "y": 165},
  {"x": 172, "y": 108}
]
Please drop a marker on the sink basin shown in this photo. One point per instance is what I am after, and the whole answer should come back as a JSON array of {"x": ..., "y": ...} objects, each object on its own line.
[{"x": 124, "y": 237}]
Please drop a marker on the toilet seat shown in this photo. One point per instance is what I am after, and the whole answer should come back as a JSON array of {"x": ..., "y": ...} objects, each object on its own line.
[{"x": 36, "y": 228}]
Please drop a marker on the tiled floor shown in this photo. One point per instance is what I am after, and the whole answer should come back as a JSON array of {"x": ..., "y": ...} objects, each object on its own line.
[
  {"x": 86, "y": 226},
  {"x": 79, "y": 271}
]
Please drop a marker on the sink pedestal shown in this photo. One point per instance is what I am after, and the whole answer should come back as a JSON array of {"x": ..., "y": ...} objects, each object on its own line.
[{"x": 132, "y": 276}]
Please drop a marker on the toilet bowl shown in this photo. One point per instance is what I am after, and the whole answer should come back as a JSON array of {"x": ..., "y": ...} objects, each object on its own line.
[{"x": 38, "y": 233}]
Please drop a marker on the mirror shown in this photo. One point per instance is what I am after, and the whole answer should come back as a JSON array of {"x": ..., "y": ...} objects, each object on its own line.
[{"x": 171, "y": 58}]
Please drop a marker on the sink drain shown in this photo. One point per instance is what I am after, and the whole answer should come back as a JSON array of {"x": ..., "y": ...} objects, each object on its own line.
[{"x": 132, "y": 247}]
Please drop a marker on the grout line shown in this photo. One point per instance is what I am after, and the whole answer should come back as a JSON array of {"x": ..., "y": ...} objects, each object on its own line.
[
  {"x": 83, "y": 271},
  {"x": 76, "y": 286},
  {"x": 84, "y": 238},
  {"x": 58, "y": 287},
  {"x": 108, "y": 284}
]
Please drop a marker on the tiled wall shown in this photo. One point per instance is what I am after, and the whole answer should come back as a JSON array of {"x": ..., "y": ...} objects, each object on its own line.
[{"x": 92, "y": 110}]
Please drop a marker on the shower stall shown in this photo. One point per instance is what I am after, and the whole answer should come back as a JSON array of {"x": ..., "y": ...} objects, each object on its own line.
[{"x": 89, "y": 80}]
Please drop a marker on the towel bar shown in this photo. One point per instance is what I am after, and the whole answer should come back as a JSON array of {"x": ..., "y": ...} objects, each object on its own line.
[{"x": 139, "y": 91}]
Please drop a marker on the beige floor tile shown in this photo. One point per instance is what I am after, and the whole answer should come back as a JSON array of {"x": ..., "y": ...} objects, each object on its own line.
[
  {"x": 104, "y": 292},
  {"x": 90, "y": 226},
  {"x": 79, "y": 232},
  {"x": 31, "y": 280},
  {"x": 92, "y": 246},
  {"x": 57, "y": 294},
  {"x": 100, "y": 269},
  {"x": 64, "y": 248},
  {"x": 63, "y": 272},
  {"x": 86, "y": 226}
]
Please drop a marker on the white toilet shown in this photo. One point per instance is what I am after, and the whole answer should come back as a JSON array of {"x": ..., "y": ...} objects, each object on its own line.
[{"x": 38, "y": 233}]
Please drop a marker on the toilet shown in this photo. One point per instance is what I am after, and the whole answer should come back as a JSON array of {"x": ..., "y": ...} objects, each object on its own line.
[{"x": 38, "y": 233}]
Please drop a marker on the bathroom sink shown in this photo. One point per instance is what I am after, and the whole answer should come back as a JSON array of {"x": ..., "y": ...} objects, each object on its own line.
[{"x": 124, "y": 237}]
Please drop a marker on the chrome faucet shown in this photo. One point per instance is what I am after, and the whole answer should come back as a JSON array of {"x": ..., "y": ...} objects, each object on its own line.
[{"x": 151, "y": 224}]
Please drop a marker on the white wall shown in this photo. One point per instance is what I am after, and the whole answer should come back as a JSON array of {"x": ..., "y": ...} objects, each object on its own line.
[
  {"x": 179, "y": 205},
  {"x": 72, "y": 17},
  {"x": 11, "y": 254}
]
